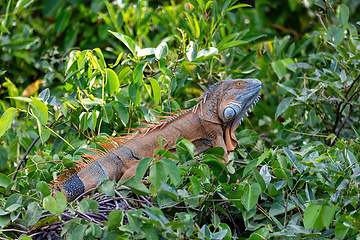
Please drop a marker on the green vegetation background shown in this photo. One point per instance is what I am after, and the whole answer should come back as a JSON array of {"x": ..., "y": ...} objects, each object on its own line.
[{"x": 76, "y": 72}]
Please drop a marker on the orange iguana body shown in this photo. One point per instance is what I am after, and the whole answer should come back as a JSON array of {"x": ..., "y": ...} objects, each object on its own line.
[{"x": 211, "y": 123}]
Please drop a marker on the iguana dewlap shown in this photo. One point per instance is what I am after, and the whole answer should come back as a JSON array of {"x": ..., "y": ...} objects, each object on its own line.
[{"x": 211, "y": 123}]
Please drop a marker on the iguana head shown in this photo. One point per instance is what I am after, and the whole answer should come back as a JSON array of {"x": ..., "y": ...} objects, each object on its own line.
[{"x": 227, "y": 101}]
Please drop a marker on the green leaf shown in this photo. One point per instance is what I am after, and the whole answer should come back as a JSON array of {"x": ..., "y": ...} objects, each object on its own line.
[
  {"x": 3, "y": 158},
  {"x": 206, "y": 54},
  {"x": 251, "y": 195},
  {"x": 284, "y": 104},
  {"x": 342, "y": 14},
  {"x": 259, "y": 179},
  {"x": 195, "y": 185},
  {"x": 142, "y": 168},
  {"x": 161, "y": 51},
  {"x": 247, "y": 137},
  {"x": 293, "y": 160},
  {"x": 173, "y": 171},
  {"x": 134, "y": 93},
  {"x": 40, "y": 111},
  {"x": 122, "y": 111},
  {"x": 232, "y": 44},
  {"x": 156, "y": 90},
  {"x": 108, "y": 188},
  {"x": 241, "y": 5},
  {"x": 49, "y": 204},
  {"x": 112, "y": 81},
  {"x": 6, "y": 119},
  {"x": 129, "y": 43},
  {"x": 279, "y": 68},
  {"x": 138, "y": 73},
  {"x": 43, "y": 188},
  {"x": 157, "y": 175},
  {"x": 311, "y": 215},
  {"x": 4, "y": 180},
  {"x": 33, "y": 213},
  {"x": 115, "y": 219},
  {"x": 107, "y": 112},
  {"x": 60, "y": 203}
]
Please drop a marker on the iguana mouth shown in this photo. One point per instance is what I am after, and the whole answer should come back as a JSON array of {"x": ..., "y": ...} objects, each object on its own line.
[{"x": 247, "y": 101}]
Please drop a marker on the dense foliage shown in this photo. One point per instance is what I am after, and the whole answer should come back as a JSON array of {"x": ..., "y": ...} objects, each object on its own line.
[{"x": 74, "y": 73}]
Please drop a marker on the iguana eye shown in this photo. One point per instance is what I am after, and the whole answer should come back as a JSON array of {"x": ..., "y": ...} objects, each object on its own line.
[{"x": 229, "y": 113}]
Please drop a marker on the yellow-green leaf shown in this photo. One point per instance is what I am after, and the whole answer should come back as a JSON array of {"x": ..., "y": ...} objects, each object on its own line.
[
  {"x": 40, "y": 111},
  {"x": 6, "y": 119}
]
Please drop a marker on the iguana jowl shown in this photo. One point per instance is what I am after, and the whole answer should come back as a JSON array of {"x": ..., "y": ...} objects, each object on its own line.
[{"x": 211, "y": 123}]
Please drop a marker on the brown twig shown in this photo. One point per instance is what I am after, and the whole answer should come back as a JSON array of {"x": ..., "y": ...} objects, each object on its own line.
[
  {"x": 286, "y": 205},
  {"x": 317, "y": 14},
  {"x": 23, "y": 159},
  {"x": 339, "y": 110}
]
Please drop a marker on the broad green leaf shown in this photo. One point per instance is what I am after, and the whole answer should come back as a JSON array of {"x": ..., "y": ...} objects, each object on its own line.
[
  {"x": 146, "y": 52},
  {"x": 161, "y": 51},
  {"x": 173, "y": 171},
  {"x": 293, "y": 160},
  {"x": 195, "y": 185},
  {"x": 78, "y": 232},
  {"x": 122, "y": 111},
  {"x": 101, "y": 60},
  {"x": 157, "y": 175},
  {"x": 4, "y": 180},
  {"x": 25, "y": 237},
  {"x": 279, "y": 68},
  {"x": 259, "y": 179},
  {"x": 251, "y": 195},
  {"x": 60, "y": 203},
  {"x": 43, "y": 188},
  {"x": 49, "y": 204},
  {"x": 129, "y": 43},
  {"x": 115, "y": 219},
  {"x": 40, "y": 111},
  {"x": 142, "y": 168},
  {"x": 206, "y": 54},
  {"x": 33, "y": 213},
  {"x": 112, "y": 81},
  {"x": 284, "y": 104},
  {"x": 134, "y": 93},
  {"x": 108, "y": 188},
  {"x": 44, "y": 95},
  {"x": 311, "y": 215},
  {"x": 138, "y": 73},
  {"x": 123, "y": 74},
  {"x": 247, "y": 137},
  {"x": 107, "y": 112},
  {"x": 93, "y": 205},
  {"x": 3, "y": 158},
  {"x": 137, "y": 186},
  {"x": 156, "y": 90},
  {"x": 191, "y": 51},
  {"x": 342, "y": 14},
  {"x": 6, "y": 119},
  {"x": 342, "y": 227}
]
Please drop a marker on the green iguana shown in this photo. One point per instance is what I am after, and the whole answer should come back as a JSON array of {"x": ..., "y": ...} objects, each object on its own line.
[{"x": 210, "y": 123}]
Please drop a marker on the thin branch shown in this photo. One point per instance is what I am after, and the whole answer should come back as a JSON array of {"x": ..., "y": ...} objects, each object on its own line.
[
  {"x": 23, "y": 159},
  {"x": 286, "y": 205},
  {"x": 317, "y": 14}
]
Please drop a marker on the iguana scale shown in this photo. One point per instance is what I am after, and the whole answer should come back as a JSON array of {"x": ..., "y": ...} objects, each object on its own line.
[{"x": 210, "y": 123}]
